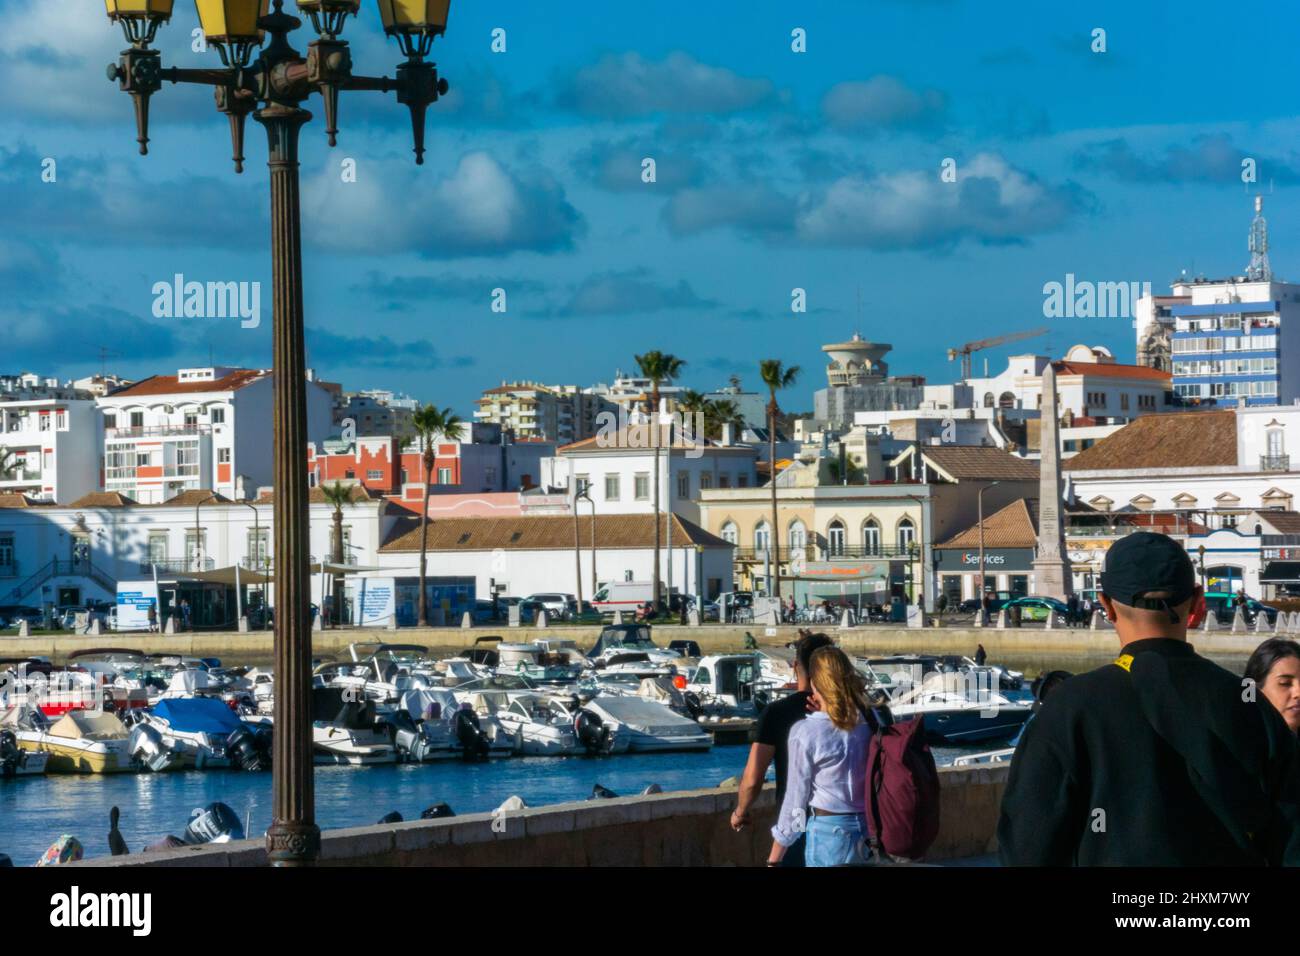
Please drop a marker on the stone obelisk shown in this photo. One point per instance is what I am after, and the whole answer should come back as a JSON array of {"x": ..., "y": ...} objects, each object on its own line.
[{"x": 1052, "y": 576}]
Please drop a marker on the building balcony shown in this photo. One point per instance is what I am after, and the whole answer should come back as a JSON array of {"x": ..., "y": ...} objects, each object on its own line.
[
  {"x": 1274, "y": 462},
  {"x": 176, "y": 566}
]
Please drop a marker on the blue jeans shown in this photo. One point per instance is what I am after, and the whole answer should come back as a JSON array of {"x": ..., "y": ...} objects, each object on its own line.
[{"x": 838, "y": 840}]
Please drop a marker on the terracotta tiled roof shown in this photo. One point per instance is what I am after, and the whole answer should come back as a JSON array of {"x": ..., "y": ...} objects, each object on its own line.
[
  {"x": 103, "y": 499},
  {"x": 16, "y": 500},
  {"x": 171, "y": 385},
  {"x": 974, "y": 462},
  {"x": 194, "y": 498},
  {"x": 1015, "y": 526},
  {"x": 1284, "y": 522},
  {"x": 544, "y": 532},
  {"x": 1167, "y": 440},
  {"x": 1111, "y": 370}
]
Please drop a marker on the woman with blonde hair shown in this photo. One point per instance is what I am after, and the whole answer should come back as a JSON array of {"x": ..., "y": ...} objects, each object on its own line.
[{"x": 827, "y": 768}]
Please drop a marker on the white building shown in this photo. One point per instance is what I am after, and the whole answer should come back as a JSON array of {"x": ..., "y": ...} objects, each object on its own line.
[
  {"x": 201, "y": 428},
  {"x": 617, "y": 470},
  {"x": 49, "y": 440}
]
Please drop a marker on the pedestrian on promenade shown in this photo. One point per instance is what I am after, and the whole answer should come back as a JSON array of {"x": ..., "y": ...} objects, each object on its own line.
[
  {"x": 1072, "y": 608},
  {"x": 185, "y": 614},
  {"x": 826, "y": 791},
  {"x": 981, "y": 655},
  {"x": 1274, "y": 670},
  {"x": 1155, "y": 759},
  {"x": 153, "y": 617},
  {"x": 772, "y": 742},
  {"x": 986, "y": 604}
]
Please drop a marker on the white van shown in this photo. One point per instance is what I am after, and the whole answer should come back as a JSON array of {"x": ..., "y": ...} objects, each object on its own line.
[{"x": 625, "y": 596}]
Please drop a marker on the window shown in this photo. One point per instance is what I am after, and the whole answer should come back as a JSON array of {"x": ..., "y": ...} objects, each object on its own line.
[
  {"x": 798, "y": 535},
  {"x": 724, "y": 481},
  {"x": 444, "y": 476},
  {"x": 762, "y": 537},
  {"x": 871, "y": 537},
  {"x": 6, "y": 553},
  {"x": 110, "y": 420},
  {"x": 218, "y": 416},
  {"x": 137, "y": 419},
  {"x": 142, "y": 459},
  {"x": 906, "y": 534},
  {"x": 642, "y": 487},
  {"x": 683, "y": 484},
  {"x": 582, "y": 484},
  {"x": 988, "y": 399},
  {"x": 1275, "y": 446},
  {"x": 61, "y": 420},
  {"x": 835, "y": 538},
  {"x": 195, "y": 548},
  {"x": 729, "y": 533},
  {"x": 742, "y": 481},
  {"x": 404, "y": 478},
  {"x": 1123, "y": 402},
  {"x": 375, "y": 475},
  {"x": 259, "y": 547},
  {"x": 157, "y": 547},
  {"x": 706, "y": 481},
  {"x": 45, "y": 422},
  {"x": 223, "y": 456},
  {"x": 611, "y": 488},
  {"x": 191, "y": 418}
]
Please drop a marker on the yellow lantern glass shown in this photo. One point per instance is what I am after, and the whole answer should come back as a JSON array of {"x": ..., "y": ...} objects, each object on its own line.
[
  {"x": 139, "y": 9},
  {"x": 232, "y": 20},
  {"x": 414, "y": 16}
]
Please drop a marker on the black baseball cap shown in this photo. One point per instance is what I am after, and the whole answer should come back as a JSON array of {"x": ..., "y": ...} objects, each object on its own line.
[{"x": 1143, "y": 563}]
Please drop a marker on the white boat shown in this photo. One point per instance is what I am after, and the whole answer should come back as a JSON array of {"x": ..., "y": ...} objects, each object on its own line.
[
  {"x": 420, "y": 731},
  {"x": 538, "y": 663},
  {"x": 728, "y": 685},
  {"x": 16, "y": 762},
  {"x": 347, "y": 731},
  {"x": 629, "y": 639},
  {"x": 648, "y": 725},
  {"x": 958, "y": 709},
  {"x": 205, "y": 733},
  {"x": 541, "y": 726}
]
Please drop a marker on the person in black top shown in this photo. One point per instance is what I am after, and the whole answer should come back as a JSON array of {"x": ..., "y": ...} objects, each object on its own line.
[
  {"x": 771, "y": 742},
  {"x": 981, "y": 655},
  {"x": 1158, "y": 759}
]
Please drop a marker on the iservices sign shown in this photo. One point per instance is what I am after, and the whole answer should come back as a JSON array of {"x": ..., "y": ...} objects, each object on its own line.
[{"x": 1002, "y": 559}]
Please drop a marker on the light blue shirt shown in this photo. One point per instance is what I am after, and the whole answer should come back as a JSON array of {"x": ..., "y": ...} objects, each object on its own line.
[{"x": 827, "y": 769}]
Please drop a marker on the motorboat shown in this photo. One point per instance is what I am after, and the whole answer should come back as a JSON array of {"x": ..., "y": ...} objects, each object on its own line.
[
  {"x": 630, "y": 638},
  {"x": 958, "y": 708},
  {"x": 388, "y": 670},
  {"x": 639, "y": 664},
  {"x": 346, "y": 731},
  {"x": 205, "y": 733},
  {"x": 419, "y": 730},
  {"x": 16, "y": 762},
  {"x": 648, "y": 725},
  {"x": 543, "y": 727},
  {"x": 83, "y": 741},
  {"x": 538, "y": 663},
  {"x": 730, "y": 685},
  {"x": 476, "y": 722}
]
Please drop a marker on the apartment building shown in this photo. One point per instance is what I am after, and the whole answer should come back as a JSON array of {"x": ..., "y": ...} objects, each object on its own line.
[
  {"x": 206, "y": 428},
  {"x": 49, "y": 436}
]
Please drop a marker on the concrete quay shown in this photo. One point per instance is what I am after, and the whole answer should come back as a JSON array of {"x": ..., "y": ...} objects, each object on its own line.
[
  {"x": 684, "y": 828},
  {"x": 256, "y": 647}
]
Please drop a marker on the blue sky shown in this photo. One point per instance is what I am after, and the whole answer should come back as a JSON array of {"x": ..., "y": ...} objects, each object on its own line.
[{"x": 776, "y": 170}]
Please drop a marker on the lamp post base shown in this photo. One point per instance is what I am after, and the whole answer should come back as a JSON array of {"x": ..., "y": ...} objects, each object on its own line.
[{"x": 292, "y": 844}]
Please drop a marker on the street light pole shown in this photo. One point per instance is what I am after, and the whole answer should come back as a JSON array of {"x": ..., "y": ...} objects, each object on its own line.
[
  {"x": 979, "y": 589},
  {"x": 273, "y": 88}
]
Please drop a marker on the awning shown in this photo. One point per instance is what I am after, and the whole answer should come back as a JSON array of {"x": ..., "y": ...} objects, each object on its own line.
[{"x": 1281, "y": 572}]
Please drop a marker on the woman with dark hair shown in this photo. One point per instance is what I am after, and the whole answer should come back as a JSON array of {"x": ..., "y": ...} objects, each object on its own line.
[
  {"x": 827, "y": 768},
  {"x": 1275, "y": 670}
]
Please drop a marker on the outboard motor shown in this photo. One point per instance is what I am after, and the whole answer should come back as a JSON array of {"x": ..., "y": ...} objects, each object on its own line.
[
  {"x": 249, "y": 751},
  {"x": 146, "y": 746},
  {"x": 394, "y": 817},
  {"x": 591, "y": 731},
  {"x": 694, "y": 707},
  {"x": 602, "y": 793},
  {"x": 5, "y": 862},
  {"x": 474, "y": 743},
  {"x": 215, "y": 823},
  {"x": 12, "y": 758},
  {"x": 437, "y": 812},
  {"x": 411, "y": 744}
]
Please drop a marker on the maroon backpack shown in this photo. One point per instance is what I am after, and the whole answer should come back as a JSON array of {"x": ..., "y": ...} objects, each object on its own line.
[{"x": 902, "y": 786}]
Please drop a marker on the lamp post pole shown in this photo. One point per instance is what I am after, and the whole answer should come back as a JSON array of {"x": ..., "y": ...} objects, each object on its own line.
[
  {"x": 979, "y": 586},
  {"x": 272, "y": 89}
]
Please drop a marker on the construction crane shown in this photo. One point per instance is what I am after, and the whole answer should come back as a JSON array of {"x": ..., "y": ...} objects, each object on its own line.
[{"x": 965, "y": 350}]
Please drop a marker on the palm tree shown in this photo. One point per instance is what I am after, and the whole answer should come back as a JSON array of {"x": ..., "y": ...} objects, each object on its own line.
[
  {"x": 692, "y": 405},
  {"x": 430, "y": 424},
  {"x": 723, "y": 411},
  {"x": 338, "y": 495},
  {"x": 659, "y": 367},
  {"x": 775, "y": 377}
]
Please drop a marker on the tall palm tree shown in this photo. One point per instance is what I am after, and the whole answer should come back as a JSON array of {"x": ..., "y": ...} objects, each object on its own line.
[
  {"x": 659, "y": 367},
  {"x": 430, "y": 424},
  {"x": 692, "y": 405},
  {"x": 338, "y": 495},
  {"x": 723, "y": 411},
  {"x": 775, "y": 376}
]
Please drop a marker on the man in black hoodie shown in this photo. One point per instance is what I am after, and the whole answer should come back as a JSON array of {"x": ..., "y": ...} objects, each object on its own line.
[{"x": 1161, "y": 758}]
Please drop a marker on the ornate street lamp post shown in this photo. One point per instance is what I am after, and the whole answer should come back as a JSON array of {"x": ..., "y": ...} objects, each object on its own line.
[{"x": 273, "y": 88}]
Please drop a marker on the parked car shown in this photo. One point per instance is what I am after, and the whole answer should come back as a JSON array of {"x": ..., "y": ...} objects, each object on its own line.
[
  {"x": 588, "y": 614},
  {"x": 556, "y": 604},
  {"x": 1221, "y": 603},
  {"x": 1038, "y": 608}
]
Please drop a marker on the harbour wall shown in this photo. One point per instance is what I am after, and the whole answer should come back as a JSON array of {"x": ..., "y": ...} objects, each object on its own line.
[
  {"x": 256, "y": 647},
  {"x": 685, "y": 828}
]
